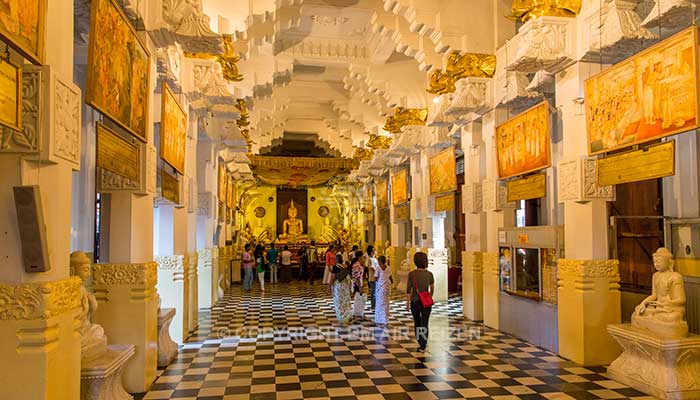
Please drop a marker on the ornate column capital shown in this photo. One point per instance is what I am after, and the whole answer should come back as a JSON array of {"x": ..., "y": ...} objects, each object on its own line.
[{"x": 40, "y": 300}]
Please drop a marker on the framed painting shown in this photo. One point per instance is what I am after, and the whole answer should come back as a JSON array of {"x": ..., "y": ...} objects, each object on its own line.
[
  {"x": 116, "y": 154},
  {"x": 523, "y": 142},
  {"x": 23, "y": 26},
  {"x": 118, "y": 69},
  {"x": 399, "y": 187},
  {"x": 443, "y": 171},
  {"x": 173, "y": 130},
  {"x": 221, "y": 181},
  {"x": 383, "y": 193},
  {"x": 10, "y": 94},
  {"x": 170, "y": 187},
  {"x": 651, "y": 95}
]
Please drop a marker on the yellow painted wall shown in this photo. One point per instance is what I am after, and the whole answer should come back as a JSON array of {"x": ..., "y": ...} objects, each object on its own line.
[
  {"x": 323, "y": 198},
  {"x": 270, "y": 219}
]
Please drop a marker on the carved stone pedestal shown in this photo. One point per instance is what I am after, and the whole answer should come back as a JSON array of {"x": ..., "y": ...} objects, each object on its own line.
[
  {"x": 437, "y": 264},
  {"x": 402, "y": 281},
  {"x": 101, "y": 379},
  {"x": 661, "y": 367},
  {"x": 167, "y": 348}
]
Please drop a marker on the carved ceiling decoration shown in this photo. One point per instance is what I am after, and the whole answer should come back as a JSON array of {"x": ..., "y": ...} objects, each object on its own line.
[
  {"x": 404, "y": 117},
  {"x": 377, "y": 142},
  {"x": 300, "y": 171},
  {"x": 460, "y": 66},
  {"x": 525, "y": 10}
]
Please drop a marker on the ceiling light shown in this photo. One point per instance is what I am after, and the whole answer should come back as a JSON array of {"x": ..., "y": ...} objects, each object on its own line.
[{"x": 436, "y": 99}]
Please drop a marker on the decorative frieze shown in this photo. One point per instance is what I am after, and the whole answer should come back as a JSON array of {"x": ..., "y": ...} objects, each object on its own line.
[
  {"x": 495, "y": 195},
  {"x": 577, "y": 182},
  {"x": 26, "y": 140},
  {"x": 473, "y": 95},
  {"x": 472, "y": 198},
  {"x": 671, "y": 14},
  {"x": 490, "y": 264},
  {"x": 511, "y": 90},
  {"x": 40, "y": 300},
  {"x": 126, "y": 274},
  {"x": 188, "y": 25},
  {"x": 613, "y": 31},
  {"x": 543, "y": 43},
  {"x": 178, "y": 265},
  {"x": 587, "y": 269}
]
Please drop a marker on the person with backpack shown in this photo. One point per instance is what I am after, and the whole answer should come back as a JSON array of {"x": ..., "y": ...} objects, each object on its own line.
[
  {"x": 419, "y": 297},
  {"x": 341, "y": 285}
]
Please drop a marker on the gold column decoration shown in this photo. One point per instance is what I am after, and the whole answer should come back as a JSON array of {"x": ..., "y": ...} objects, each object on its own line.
[
  {"x": 404, "y": 117},
  {"x": 526, "y": 10},
  {"x": 377, "y": 142},
  {"x": 460, "y": 66},
  {"x": 228, "y": 60}
]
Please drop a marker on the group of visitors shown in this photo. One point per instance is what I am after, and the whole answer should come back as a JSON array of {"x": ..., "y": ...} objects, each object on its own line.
[{"x": 345, "y": 274}]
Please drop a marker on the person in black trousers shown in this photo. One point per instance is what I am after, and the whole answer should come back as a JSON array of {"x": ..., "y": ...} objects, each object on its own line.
[{"x": 420, "y": 280}]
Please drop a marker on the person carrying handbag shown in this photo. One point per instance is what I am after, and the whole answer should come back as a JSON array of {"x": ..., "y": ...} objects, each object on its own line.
[{"x": 419, "y": 297}]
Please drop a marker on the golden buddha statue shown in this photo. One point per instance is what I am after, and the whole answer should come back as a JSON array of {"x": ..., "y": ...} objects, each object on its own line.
[
  {"x": 292, "y": 228},
  {"x": 526, "y": 10}
]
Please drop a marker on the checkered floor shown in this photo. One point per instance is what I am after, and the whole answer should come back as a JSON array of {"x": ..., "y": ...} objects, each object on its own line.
[{"x": 286, "y": 344}]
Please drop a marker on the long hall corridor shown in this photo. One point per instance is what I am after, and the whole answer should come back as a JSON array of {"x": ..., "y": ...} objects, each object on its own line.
[{"x": 286, "y": 344}]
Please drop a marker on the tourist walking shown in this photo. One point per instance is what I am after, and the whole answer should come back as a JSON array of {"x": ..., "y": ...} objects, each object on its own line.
[
  {"x": 330, "y": 263},
  {"x": 247, "y": 261},
  {"x": 260, "y": 261},
  {"x": 372, "y": 265},
  {"x": 382, "y": 293},
  {"x": 359, "y": 300},
  {"x": 272, "y": 261},
  {"x": 341, "y": 285},
  {"x": 286, "y": 260},
  {"x": 420, "y": 284}
]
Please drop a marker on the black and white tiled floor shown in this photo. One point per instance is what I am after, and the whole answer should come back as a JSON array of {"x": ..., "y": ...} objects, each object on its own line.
[{"x": 286, "y": 344}]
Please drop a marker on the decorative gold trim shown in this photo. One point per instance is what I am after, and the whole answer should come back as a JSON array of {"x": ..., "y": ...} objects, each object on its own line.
[
  {"x": 304, "y": 162},
  {"x": 525, "y": 10},
  {"x": 362, "y": 154},
  {"x": 377, "y": 142},
  {"x": 405, "y": 117},
  {"x": 126, "y": 274},
  {"x": 460, "y": 66},
  {"x": 41, "y": 300},
  {"x": 228, "y": 60}
]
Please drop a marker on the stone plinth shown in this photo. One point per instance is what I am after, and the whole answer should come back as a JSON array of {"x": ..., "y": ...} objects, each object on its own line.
[
  {"x": 167, "y": 348},
  {"x": 662, "y": 367},
  {"x": 207, "y": 276},
  {"x": 402, "y": 280},
  {"x": 589, "y": 301},
  {"x": 101, "y": 378},
  {"x": 473, "y": 285},
  {"x": 39, "y": 340},
  {"x": 128, "y": 312},
  {"x": 173, "y": 287},
  {"x": 491, "y": 288}
]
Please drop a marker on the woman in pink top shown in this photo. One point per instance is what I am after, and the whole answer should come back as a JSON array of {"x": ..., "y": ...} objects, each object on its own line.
[
  {"x": 247, "y": 259},
  {"x": 330, "y": 262}
]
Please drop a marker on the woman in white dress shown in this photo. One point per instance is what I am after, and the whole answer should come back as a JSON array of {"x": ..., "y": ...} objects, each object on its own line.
[{"x": 382, "y": 292}]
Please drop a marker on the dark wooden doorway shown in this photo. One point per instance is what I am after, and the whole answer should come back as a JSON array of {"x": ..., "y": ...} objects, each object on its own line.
[{"x": 637, "y": 231}]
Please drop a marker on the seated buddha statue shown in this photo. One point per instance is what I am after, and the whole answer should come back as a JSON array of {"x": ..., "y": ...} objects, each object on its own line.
[
  {"x": 93, "y": 341},
  {"x": 292, "y": 228},
  {"x": 663, "y": 312}
]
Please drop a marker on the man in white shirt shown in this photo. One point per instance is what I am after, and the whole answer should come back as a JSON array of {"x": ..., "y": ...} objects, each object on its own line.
[{"x": 286, "y": 261}]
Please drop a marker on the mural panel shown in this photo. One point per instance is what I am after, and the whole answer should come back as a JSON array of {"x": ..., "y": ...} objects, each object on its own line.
[
  {"x": 399, "y": 187},
  {"x": 173, "y": 130},
  {"x": 523, "y": 142},
  {"x": 383, "y": 193},
  {"x": 443, "y": 171},
  {"x": 22, "y": 25}
]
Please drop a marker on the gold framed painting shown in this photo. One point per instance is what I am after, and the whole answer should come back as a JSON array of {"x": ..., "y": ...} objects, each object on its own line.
[
  {"x": 443, "y": 171},
  {"x": 118, "y": 69},
  {"x": 383, "y": 193},
  {"x": 116, "y": 154},
  {"x": 23, "y": 26},
  {"x": 10, "y": 94},
  {"x": 170, "y": 187},
  {"x": 399, "y": 187},
  {"x": 173, "y": 130},
  {"x": 523, "y": 142},
  {"x": 221, "y": 181},
  {"x": 651, "y": 95}
]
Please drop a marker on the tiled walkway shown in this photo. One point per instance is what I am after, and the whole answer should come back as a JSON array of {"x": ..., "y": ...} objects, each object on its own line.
[{"x": 286, "y": 344}]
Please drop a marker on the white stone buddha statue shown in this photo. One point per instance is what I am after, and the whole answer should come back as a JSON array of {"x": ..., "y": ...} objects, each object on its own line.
[
  {"x": 407, "y": 263},
  {"x": 292, "y": 228},
  {"x": 663, "y": 312},
  {"x": 93, "y": 342}
]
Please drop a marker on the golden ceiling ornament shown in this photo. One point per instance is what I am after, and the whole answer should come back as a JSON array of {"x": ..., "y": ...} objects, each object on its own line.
[
  {"x": 404, "y": 117},
  {"x": 525, "y": 10},
  {"x": 242, "y": 107},
  {"x": 362, "y": 154},
  {"x": 460, "y": 66},
  {"x": 378, "y": 142},
  {"x": 228, "y": 60}
]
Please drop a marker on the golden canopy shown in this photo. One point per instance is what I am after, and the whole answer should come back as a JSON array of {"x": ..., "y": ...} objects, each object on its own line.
[{"x": 300, "y": 171}]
